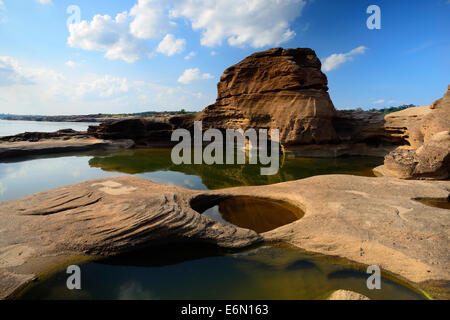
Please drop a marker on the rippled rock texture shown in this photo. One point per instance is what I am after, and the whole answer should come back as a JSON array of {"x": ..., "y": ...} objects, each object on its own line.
[
  {"x": 279, "y": 88},
  {"x": 367, "y": 220},
  {"x": 427, "y": 130}
]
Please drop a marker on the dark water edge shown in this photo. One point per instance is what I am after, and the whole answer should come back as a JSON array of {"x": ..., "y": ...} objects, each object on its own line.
[
  {"x": 20, "y": 177},
  {"x": 437, "y": 203},
  {"x": 205, "y": 272}
]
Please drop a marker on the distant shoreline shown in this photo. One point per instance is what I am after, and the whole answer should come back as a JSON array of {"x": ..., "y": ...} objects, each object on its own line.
[{"x": 90, "y": 118}]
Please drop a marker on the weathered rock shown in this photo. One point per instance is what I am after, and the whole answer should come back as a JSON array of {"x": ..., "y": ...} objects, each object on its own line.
[
  {"x": 103, "y": 217},
  {"x": 367, "y": 220},
  {"x": 25, "y": 145},
  {"x": 427, "y": 131},
  {"x": 346, "y": 295},
  {"x": 405, "y": 125},
  {"x": 143, "y": 131},
  {"x": 279, "y": 88},
  {"x": 362, "y": 126},
  {"x": 430, "y": 161}
]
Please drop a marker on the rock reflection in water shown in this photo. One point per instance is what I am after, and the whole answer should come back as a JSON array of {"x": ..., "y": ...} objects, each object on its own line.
[{"x": 186, "y": 272}]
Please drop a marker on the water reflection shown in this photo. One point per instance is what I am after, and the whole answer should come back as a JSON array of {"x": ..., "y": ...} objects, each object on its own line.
[
  {"x": 202, "y": 273},
  {"x": 20, "y": 177}
]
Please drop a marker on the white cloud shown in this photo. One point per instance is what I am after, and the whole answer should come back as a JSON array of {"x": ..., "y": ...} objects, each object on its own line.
[
  {"x": 11, "y": 73},
  {"x": 72, "y": 64},
  {"x": 257, "y": 23},
  {"x": 379, "y": 101},
  {"x": 170, "y": 45},
  {"x": 150, "y": 20},
  {"x": 191, "y": 75},
  {"x": 190, "y": 55},
  {"x": 107, "y": 35},
  {"x": 336, "y": 59},
  {"x": 2, "y": 5},
  {"x": 213, "y": 53},
  {"x": 103, "y": 87},
  {"x": 44, "y": 1},
  {"x": 50, "y": 92}
]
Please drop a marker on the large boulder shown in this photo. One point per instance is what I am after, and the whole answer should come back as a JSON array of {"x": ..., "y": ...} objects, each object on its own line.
[
  {"x": 279, "y": 88},
  {"x": 427, "y": 153},
  {"x": 430, "y": 161}
]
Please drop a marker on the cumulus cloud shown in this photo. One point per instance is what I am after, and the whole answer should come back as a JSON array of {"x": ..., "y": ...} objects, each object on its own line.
[
  {"x": 103, "y": 87},
  {"x": 150, "y": 19},
  {"x": 336, "y": 59},
  {"x": 257, "y": 23},
  {"x": 11, "y": 73},
  {"x": 51, "y": 92},
  {"x": 191, "y": 75},
  {"x": 107, "y": 35},
  {"x": 44, "y": 1},
  {"x": 170, "y": 45}
]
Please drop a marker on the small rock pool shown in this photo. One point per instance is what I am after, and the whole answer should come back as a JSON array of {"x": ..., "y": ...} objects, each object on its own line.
[
  {"x": 260, "y": 215},
  {"x": 198, "y": 272}
]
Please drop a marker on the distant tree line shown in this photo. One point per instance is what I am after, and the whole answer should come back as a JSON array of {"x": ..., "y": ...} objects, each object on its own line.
[
  {"x": 385, "y": 110},
  {"x": 147, "y": 113}
]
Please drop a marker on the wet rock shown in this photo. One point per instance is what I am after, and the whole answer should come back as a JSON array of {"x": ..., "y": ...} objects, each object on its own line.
[{"x": 344, "y": 216}]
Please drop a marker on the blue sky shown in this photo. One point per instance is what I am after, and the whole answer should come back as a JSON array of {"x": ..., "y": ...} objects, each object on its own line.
[{"x": 140, "y": 55}]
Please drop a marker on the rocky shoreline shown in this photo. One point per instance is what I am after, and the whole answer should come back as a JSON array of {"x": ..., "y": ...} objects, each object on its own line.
[
  {"x": 371, "y": 221},
  {"x": 366, "y": 220},
  {"x": 63, "y": 141}
]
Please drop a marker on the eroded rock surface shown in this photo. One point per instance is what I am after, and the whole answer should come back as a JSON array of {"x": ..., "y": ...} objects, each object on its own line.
[
  {"x": 279, "y": 88},
  {"x": 367, "y": 220},
  {"x": 38, "y": 143},
  {"x": 427, "y": 155}
]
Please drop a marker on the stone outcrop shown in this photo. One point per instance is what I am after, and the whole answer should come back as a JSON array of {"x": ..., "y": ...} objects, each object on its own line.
[
  {"x": 373, "y": 221},
  {"x": 427, "y": 153},
  {"x": 279, "y": 88},
  {"x": 429, "y": 161},
  {"x": 39, "y": 143},
  {"x": 143, "y": 131}
]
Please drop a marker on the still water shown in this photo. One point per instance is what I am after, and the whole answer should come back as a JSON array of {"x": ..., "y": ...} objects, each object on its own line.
[
  {"x": 195, "y": 273},
  {"x": 254, "y": 213},
  {"x": 20, "y": 177},
  {"x": 13, "y": 127},
  {"x": 270, "y": 272}
]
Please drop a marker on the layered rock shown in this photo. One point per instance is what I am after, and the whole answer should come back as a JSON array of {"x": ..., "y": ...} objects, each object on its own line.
[
  {"x": 367, "y": 220},
  {"x": 143, "y": 131},
  {"x": 279, "y": 88},
  {"x": 39, "y": 143},
  {"x": 426, "y": 129}
]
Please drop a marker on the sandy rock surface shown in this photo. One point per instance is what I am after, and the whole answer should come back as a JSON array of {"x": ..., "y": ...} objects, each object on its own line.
[{"x": 367, "y": 220}]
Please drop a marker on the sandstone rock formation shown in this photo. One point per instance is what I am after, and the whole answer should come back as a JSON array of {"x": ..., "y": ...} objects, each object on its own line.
[
  {"x": 367, "y": 220},
  {"x": 279, "y": 88},
  {"x": 39, "y": 143},
  {"x": 426, "y": 129},
  {"x": 143, "y": 131}
]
